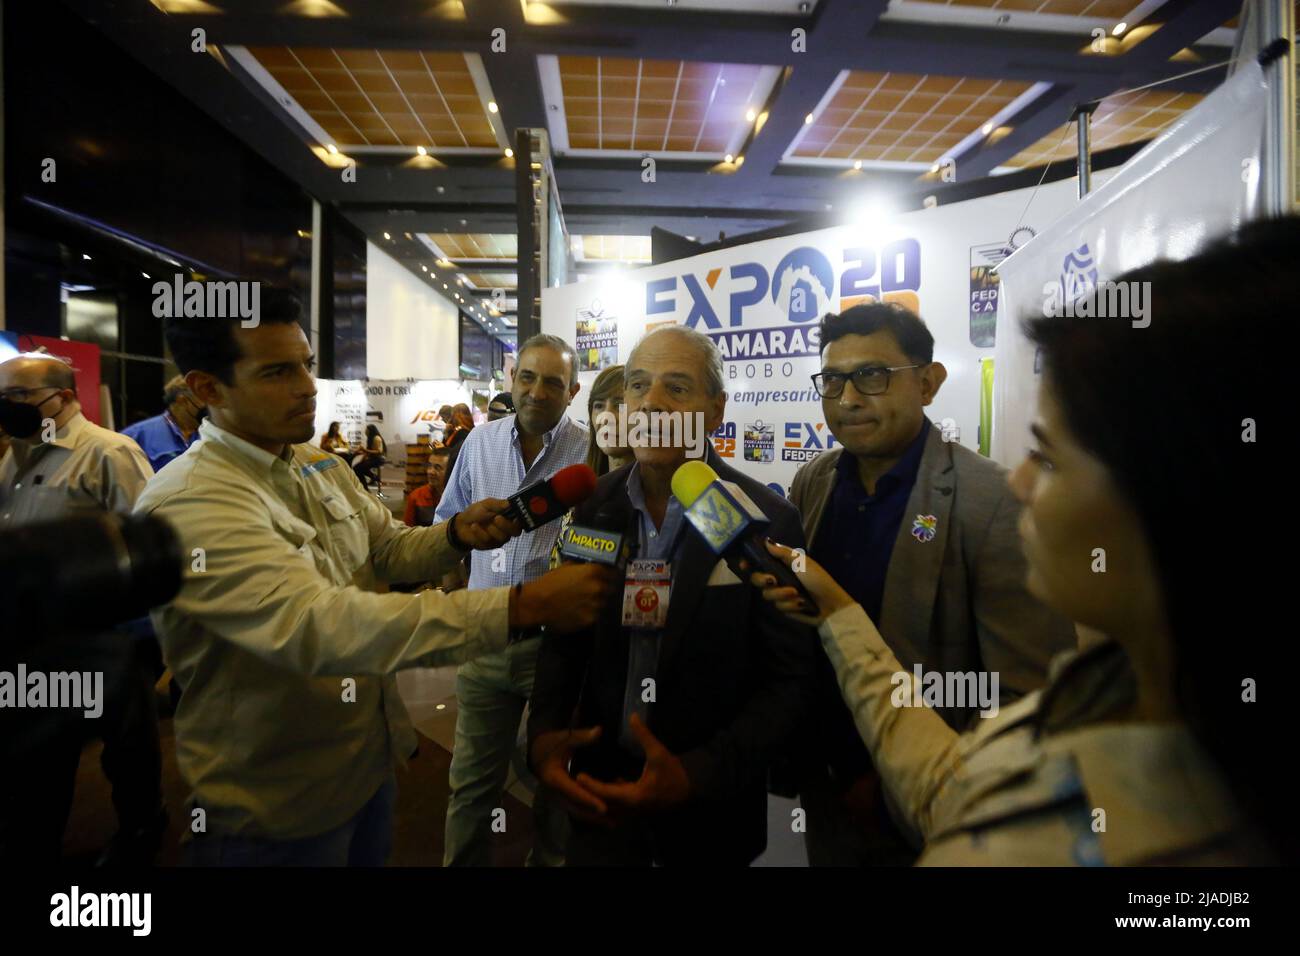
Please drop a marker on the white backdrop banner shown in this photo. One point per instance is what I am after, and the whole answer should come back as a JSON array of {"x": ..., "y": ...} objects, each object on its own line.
[
  {"x": 761, "y": 303},
  {"x": 402, "y": 410},
  {"x": 1192, "y": 184}
]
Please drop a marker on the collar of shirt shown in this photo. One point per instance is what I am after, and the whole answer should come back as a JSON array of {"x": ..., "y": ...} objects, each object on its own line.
[
  {"x": 259, "y": 457},
  {"x": 659, "y": 543},
  {"x": 902, "y": 474},
  {"x": 65, "y": 437},
  {"x": 1173, "y": 795},
  {"x": 176, "y": 430},
  {"x": 546, "y": 438}
]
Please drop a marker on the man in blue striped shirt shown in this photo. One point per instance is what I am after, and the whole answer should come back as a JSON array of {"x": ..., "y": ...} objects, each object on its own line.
[{"x": 496, "y": 459}]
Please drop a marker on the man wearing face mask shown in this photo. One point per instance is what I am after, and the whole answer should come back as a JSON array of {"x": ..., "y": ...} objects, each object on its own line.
[
  {"x": 166, "y": 436},
  {"x": 60, "y": 465}
]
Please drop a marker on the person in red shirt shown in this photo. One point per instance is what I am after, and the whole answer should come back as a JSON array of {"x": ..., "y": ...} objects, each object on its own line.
[{"x": 421, "y": 502}]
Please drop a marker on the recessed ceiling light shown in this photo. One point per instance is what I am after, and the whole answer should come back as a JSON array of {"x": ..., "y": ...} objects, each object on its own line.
[
  {"x": 729, "y": 157},
  {"x": 510, "y": 153},
  {"x": 492, "y": 106},
  {"x": 808, "y": 119},
  {"x": 1119, "y": 28},
  {"x": 387, "y": 236},
  {"x": 84, "y": 256},
  {"x": 422, "y": 151},
  {"x": 986, "y": 128},
  {"x": 425, "y": 268},
  {"x": 444, "y": 285},
  {"x": 750, "y": 116},
  {"x": 857, "y": 164},
  {"x": 146, "y": 275},
  {"x": 333, "y": 150}
]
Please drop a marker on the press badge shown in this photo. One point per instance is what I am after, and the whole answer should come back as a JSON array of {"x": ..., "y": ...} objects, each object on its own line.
[{"x": 645, "y": 594}]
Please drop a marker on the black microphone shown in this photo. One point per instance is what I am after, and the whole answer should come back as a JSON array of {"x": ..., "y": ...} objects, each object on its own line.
[
  {"x": 603, "y": 540},
  {"x": 732, "y": 525},
  {"x": 547, "y": 500}
]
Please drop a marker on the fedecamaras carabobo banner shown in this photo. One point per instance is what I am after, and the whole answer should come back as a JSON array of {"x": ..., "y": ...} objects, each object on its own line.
[{"x": 761, "y": 303}]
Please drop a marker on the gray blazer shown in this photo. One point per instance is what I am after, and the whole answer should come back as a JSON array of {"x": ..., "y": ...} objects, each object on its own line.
[{"x": 958, "y": 601}]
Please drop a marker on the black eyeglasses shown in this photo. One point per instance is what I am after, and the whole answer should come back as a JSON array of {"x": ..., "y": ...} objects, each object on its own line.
[
  {"x": 868, "y": 380},
  {"x": 22, "y": 394}
]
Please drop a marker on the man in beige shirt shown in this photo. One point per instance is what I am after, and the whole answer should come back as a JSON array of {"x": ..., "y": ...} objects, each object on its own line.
[
  {"x": 289, "y": 722},
  {"x": 60, "y": 465}
]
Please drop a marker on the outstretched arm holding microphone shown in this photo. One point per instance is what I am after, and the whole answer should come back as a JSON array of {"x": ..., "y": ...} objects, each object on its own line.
[
  {"x": 916, "y": 753},
  {"x": 1142, "y": 747}
]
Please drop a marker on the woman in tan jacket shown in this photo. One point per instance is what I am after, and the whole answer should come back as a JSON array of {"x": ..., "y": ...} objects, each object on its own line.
[{"x": 1140, "y": 521}]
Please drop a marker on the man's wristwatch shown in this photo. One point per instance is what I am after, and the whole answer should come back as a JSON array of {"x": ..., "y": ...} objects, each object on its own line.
[{"x": 453, "y": 538}]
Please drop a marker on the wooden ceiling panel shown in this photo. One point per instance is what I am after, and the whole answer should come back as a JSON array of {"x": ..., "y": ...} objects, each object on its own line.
[
  {"x": 881, "y": 116},
  {"x": 689, "y": 107},
  {"x": 391, "y": 98},
  {"x": 1118, "y": 121}
]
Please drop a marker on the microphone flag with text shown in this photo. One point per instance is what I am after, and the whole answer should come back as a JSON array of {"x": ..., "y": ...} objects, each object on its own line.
[
  {"x": 547, "y": 500},
  {"x": 731, "y": 524}
]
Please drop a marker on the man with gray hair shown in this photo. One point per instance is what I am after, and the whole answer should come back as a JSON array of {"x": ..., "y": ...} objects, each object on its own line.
[
  {"x": 656, "y": 726},
  {"x": 167, "y": 435},
  {"x": 60, "y": 465},
  {"x": 496, "y": 459}
]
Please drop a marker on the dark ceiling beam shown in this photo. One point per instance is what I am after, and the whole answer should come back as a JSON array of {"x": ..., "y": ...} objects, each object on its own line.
[
  {"x": 610, "y": 182},
  {"x": 841, "y": 27},
  {"x": 512, "y": 73}
]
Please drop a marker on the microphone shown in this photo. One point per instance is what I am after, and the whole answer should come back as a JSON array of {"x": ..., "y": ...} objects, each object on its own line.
[
  {"x": 604, "y": 541},
  {"x": 547, "y": 500},
  {"x": 731, "y": 524}
]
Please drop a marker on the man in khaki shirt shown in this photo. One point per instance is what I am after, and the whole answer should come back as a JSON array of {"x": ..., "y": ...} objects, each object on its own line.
[
  {"x": 289, "y": 722},
  {"x": 59, "y": 466}
]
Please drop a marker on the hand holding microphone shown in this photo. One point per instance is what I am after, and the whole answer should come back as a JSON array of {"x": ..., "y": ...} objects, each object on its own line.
[
  {"x": 568, "y": 598},
  {"x": 733, "y": 526},
  {"x": 484, "y": 525},
  {"x": 547, "y": 500},
  {"x": 830, "y": 597},
  {"x": 492, "y": 522}
]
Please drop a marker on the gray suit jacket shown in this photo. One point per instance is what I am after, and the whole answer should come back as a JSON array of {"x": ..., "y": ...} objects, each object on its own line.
[{"x": 958, "y": 601}]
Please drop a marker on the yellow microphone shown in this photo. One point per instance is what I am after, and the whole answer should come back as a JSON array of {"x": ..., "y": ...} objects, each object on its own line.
[{"x": 731, "y": 524}]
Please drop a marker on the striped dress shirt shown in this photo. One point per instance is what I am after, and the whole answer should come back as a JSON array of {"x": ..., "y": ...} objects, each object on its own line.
[{"x": 491, "y": 465}]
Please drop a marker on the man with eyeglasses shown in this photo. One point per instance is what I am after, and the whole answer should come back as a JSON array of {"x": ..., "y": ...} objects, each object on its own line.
[
  {"x": 61, "y": 465},
  {"x": 167, "y": 435},
  {"x": 922, "y": 532}
]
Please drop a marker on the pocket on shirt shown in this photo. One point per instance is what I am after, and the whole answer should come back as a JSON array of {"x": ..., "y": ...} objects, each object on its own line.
[{"x": 348, "y": 530}]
